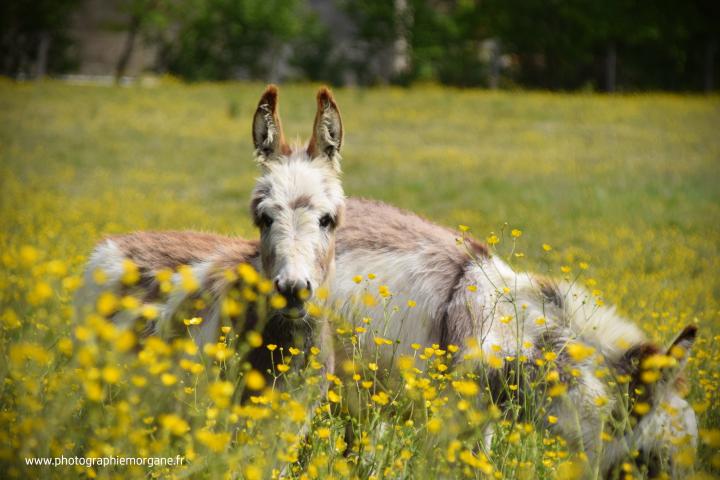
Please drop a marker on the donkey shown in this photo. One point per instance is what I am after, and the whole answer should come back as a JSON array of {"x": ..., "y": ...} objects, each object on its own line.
[
  {"x": 466, "y": 297},
  {"x": 297, "y": 204}
]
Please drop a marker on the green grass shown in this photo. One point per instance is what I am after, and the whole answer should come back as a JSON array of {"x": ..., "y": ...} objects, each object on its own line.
[{"x": 629, "y": 184}]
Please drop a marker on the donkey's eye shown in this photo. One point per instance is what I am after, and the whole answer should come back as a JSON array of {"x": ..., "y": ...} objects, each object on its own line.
[
  {"x": 326, "y": 221},
  {"x": 266, "y": 221}
]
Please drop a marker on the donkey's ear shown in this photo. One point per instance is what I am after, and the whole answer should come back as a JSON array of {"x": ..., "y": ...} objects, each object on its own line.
[
  {"x": 660, "y": 370},
  {"x": 267, "y": 132},
  {"x": 680, "y": 348},
  {"x": 327, "y": 135}
]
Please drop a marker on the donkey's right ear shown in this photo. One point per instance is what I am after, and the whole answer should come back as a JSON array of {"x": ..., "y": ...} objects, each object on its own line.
[
  {"x": 327, "y": 134},
  {"x": 267, "y": 132}
]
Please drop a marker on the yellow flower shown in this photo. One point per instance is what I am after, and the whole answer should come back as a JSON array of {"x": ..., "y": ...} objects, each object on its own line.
[
  {"x": 254, "y": 339},
  {"x": 282, "y": 368},
  {"x": 369, "y": 300},
  {"x": 557, "y": 390},
  {"x": 333, "y": 396},
  {"x": 150, "y": 312},
  {"x": 650, "y": 376},
  {"x": 252, "y": 472},
  {"x": 188, "y": 282},
  {"x": 139, "y": 381},
  {"x": 357, "y": 278},
  {"x": 466, "y": 387},
  {"x": 214, "y": 441},
  {"x": 107, "y": 304},
  {"x": 493, "y": 239},
  {"x": 131, "y": 273},
  {"x": 40, "y": 293},
  {"x": 494, "y": 361},
  {"x": 94, "y": 391},
  {"x": 579, "y": 351},
  {"x": 373, "y": 366},
  {"x": 434, "y": 425},
  {"x": 29, "y": 254},
  {"x": 168, "y": 379},
  {"x": 278, "y": 302},
  {"x": 552, "y": 419},
  {"x": 601, "y": 401},
  {"x": 323, "y": 432},
  {"x": 516, "y": 233},
  {"x": 111, "y": 374},
  {"x": 380, "y": 398},
  {"x": 463, "y": 228},
  {"x": 174, "y": 424},
  {"x": 271, "y": 347},
  {"x": 546, "y": 247},
  {"x": 193, "y": 321},
  {"x": 411, "y": 303},
  {"x": 249, "y": 275},
  {"x": 641, "y": 408},
  {"x": 254, "y": 380},
  {"x": 220, "y": 393},
  {"x": 10, "y": 319},
  {"x": 65, "y": 346}
]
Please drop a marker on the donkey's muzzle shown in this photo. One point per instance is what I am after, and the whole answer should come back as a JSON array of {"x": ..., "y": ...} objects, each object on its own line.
[{"x": 295, "y": 293}]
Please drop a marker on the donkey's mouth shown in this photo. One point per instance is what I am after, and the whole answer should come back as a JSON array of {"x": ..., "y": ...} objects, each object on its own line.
[{"x": 295, "y": 312}]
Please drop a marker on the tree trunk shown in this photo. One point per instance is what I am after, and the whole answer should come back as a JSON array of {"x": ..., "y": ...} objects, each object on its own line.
[
  {"x": 401, "y": 45},
  {"x": 710, "y": 51},
  {"x": 610, "y": 67},
  {"x": 128, "y": 49},
  {"x": 494, "y": 71},
  {"x": 41, "y": 59}
]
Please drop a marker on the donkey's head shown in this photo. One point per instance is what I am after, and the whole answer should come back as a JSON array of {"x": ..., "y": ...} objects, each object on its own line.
[
  {"x": 664, "y": 422},
  {"x": 298, "y": 202}
]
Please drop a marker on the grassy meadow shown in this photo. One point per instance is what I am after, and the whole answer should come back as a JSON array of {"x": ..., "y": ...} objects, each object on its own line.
[{"x": 629, "y": 185}]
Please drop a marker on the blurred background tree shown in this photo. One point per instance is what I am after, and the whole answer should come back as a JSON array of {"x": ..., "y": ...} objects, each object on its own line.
[
  {"x": 549, "y": 44},
  {"x": 34, "y": 37}
]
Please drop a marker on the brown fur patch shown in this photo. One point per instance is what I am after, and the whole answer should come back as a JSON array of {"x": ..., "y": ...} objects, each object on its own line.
[
  {"x": 154, "y": 251},
  {"x": 303, "y": 201},
  {"x": 158, "y": 250}
]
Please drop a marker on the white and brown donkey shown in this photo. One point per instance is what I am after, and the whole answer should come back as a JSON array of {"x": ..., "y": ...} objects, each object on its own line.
[{"x": 297, "y": 204}]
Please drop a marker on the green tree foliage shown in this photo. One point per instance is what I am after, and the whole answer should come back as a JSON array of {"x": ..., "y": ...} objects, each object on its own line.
[
  {"x": 222, "y": 39},
  {"x": 33, "y": 36},
  {"x": 555, "y": 44}
]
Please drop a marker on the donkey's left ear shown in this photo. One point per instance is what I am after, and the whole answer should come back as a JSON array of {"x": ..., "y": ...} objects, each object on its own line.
[
  {"x": 327, "y": 135},
  {"x": 681, "y": 346}
]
